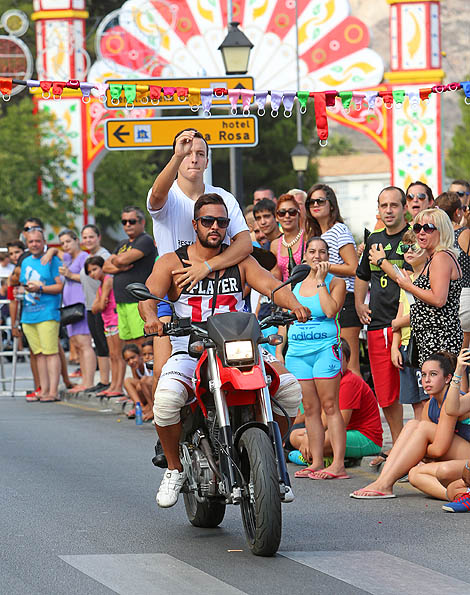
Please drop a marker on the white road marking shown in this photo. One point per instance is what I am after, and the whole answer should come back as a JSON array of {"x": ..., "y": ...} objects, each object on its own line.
[
  {"x": 149, "y": 574},
  {"x": 379, "y": 573}
]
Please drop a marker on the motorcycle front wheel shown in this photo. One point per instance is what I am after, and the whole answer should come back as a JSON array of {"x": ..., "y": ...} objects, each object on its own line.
[
  {"x": 261, "y": 506},
  {"x": 203, "y": 514}
]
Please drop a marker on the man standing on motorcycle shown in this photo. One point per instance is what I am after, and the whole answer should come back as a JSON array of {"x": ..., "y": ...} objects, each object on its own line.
[{"x": 174, "y": 387}]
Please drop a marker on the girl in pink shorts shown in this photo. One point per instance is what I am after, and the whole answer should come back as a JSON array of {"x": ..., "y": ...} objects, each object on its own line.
[{"x": 106, "y": 304}]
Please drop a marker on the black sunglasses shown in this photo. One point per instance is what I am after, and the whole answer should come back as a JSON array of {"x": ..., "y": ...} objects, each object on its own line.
[
  {"x": 406, "y": 247},
  {"x": 420, "y": 195},
  {"x": 427, "y": 227},
  {"x": 316, "y": 201},
  {"x": 283, "y": 212},
  {"x": 461, "y": 193},
  {"x": 129, "y": 221},
  {"x": 208, "y": 221},
  {"x": 33, "y": 227}
]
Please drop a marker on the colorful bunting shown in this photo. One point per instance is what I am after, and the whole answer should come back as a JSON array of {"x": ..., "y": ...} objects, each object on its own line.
[{"x": 196, "y": 97}]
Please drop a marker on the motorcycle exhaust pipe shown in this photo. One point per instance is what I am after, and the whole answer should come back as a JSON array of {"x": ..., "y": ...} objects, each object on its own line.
[{"x": 206, "y": 449}]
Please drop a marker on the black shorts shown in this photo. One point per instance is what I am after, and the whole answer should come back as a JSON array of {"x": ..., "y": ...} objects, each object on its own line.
[
  {"x": 96, "y": 326},
  {"x": 348, "y": 316},
  {"x": 287, "y": 445}
]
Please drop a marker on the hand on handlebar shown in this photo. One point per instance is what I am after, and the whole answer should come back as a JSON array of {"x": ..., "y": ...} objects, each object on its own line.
[
  {"x": 154, "y": 327},
  {"x": 302, "y": 313}
]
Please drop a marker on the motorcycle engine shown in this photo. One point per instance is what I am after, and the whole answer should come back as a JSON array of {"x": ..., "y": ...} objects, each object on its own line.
[{"x": 201, "y": 471}]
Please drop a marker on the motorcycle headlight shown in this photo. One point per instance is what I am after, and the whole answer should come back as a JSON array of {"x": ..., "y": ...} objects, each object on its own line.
[{"x": 239, "y": 352}]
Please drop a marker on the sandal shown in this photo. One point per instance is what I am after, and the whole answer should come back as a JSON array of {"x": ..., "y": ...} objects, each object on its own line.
[
  {"x": 305, "y": 473},
  {"x": 378, "y": 461},
  {"x": 131, "y": 414}
]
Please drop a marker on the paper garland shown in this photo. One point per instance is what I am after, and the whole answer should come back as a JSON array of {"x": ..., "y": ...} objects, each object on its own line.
[{"x": 198, "y": 98}]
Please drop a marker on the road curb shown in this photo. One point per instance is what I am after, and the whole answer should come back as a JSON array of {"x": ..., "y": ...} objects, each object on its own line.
[{"x": 108, "y": 404}]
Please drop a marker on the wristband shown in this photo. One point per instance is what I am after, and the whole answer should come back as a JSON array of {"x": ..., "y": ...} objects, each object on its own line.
[
  {"x": 380, "y": 261},
  {"x": 208, "y": 266},
  {"x": 457, "y": 376},
  {"x": 321, "y": 285},
  {"x": 40, "y": 289},
  {"x": 466, "y": 466}
]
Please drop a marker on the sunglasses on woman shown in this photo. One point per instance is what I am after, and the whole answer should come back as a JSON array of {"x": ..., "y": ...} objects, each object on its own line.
[
  {"x": 412, "y": 247},
  {"x": 207, "y": 221},
  {"x": 316, "y": 201},
  {"x": 420, "y": 195},
  {"x": 283, "y": 212},
  {"x": 427, "y": 227}
]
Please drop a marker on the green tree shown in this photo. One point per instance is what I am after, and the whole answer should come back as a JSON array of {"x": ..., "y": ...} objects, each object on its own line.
[
  {"x": 124, "y": 178},
  {"x": 458, "y": 157},
  {"x": 33, "y": 147}
]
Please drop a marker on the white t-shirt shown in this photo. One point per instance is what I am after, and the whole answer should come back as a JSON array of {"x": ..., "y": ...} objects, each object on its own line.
[{"x": 172, "y": 224}]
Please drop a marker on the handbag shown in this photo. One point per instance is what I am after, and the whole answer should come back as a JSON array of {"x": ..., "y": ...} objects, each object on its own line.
[
  {"x": 72, "y": 313},
  {"x": 411, "y": 359}
]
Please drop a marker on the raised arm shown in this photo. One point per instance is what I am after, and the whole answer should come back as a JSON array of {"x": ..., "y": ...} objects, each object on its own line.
[
  {"x": 440, "y": 274},
  {"x": 159, "y": 193},
  {"x": 455, "y": 404},
  {"x": 331, "y": 301}
]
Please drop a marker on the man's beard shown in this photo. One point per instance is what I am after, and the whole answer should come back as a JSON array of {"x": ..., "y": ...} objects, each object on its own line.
[{"x": 210, "y": 244}]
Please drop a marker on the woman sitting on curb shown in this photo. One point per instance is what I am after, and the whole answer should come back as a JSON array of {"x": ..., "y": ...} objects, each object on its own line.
[
  {"x": 434, "y": 478},
  {"x": 436, "y": 436}
]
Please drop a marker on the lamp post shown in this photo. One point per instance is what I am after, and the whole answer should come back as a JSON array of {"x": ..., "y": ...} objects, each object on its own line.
[
  {"x": 300, "y": 156},
  {"x": 235, "y": 49}
]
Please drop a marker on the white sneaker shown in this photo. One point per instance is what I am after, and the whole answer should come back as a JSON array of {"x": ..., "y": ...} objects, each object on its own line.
[{"x": 170, "y": 488}]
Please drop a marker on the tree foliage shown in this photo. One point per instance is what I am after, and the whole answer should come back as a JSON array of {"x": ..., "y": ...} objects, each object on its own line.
[
  {"x": 458, "y": 157},
  {"x": 24, "y": 159}
]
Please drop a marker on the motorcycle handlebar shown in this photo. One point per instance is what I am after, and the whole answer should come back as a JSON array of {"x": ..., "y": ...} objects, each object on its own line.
[{"x": 278, "y": 319}]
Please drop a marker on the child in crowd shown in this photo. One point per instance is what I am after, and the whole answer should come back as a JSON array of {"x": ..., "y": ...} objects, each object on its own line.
[
  {"x": 361, "y": 416},
  {"x": 106, "y": 304},
  {"x": 147, "y": 355},
  {"x": 139, "y": 387},
  {"x": 411, "y": 390}
]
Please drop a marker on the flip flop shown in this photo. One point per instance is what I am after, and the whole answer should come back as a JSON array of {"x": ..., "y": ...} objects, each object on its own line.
[
  {"x": 304, "y": 473},
  {"x": 375, "y": 495},
  {"x": 48, "y": 400},
  {"x": 329, "y": 475},
  {"x": 378, "y": 464},
  {"x": 114, "y": 394}
]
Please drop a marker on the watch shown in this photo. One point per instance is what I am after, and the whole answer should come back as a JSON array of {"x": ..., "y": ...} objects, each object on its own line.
[
  {"x": 321, "y": 285},
  {"x": 380, "y": 261}
]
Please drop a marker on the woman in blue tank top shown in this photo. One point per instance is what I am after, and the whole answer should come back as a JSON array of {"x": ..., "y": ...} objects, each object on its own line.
[
  {"x": 437, "y": 436},
  {"x": 314, "y": 357}
]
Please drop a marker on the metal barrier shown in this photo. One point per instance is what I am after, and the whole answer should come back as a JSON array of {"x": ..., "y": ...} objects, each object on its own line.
[{"x": 13, "y": 353}]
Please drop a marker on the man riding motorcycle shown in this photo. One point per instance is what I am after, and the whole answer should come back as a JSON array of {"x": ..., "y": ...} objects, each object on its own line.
[{"x": 227, "y": 287}]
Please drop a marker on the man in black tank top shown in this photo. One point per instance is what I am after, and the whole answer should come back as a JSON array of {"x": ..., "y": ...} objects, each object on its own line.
[{"x": 174, "y": 387}]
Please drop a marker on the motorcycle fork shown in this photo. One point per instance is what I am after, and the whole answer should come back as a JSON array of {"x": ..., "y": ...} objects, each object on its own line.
[
  {"x": 274, "y": 431},
  {"x": 226, "y": 437}
]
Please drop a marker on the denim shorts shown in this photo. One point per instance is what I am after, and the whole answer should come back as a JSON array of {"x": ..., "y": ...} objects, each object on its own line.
[{"x": 411, "y": 390}]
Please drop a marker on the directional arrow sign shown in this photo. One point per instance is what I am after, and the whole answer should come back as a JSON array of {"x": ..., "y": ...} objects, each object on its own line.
[
  {"x": 223, "y": 82},
  {"x": 158, "y": 133},
  {"x": 119, "y": 133}
]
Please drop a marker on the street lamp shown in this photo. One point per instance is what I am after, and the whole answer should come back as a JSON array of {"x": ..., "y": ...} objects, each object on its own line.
[
  {"x": 235, "y": 48},
  {"x": 300, "y": 156}
]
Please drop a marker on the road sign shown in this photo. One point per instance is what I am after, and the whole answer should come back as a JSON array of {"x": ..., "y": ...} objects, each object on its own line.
[
  {"x": 223, "y": 82},
  {"x": 158, "y": 133}
]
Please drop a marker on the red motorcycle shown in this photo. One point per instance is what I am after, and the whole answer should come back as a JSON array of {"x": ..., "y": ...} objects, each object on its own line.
[{"x": 230, "y": 446}]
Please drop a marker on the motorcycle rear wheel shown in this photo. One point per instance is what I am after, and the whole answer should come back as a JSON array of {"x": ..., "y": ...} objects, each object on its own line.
[
  {"x": 261, "y": 508},
  {"x": 204, "y": 514}
]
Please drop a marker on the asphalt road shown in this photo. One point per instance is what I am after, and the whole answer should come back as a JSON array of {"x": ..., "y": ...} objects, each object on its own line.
[{"x": 78, "y": 515}]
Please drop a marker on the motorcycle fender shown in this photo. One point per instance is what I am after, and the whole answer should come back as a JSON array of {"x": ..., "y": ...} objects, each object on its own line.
[
  {"x": 275, "y": 382},
  {"x": 244, "y": 427},
  {"x": 252, "y": 379}
]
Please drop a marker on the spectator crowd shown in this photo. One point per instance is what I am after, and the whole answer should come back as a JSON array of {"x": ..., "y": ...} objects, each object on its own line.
[{"x": 389, "y": 326}]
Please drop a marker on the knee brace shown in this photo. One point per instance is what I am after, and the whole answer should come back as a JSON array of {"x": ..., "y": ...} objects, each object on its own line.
[
  {"x": 289, "y": 395},
  {"x": 168, "y": 404}
]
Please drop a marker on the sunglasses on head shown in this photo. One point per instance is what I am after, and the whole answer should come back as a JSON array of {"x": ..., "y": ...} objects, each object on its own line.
[
  {"x": 412, "y": 247},
  {"x": 129, "y": 221},
  {"x": 461, "y": 193},
  {"x": 427, "y": 227},
  {"x": 283, "y": 212},
  {"x": 207, "y": 221},
  {"x": 317, "y": 201},
  {"x": 420, "y": 195},
  {"x": 32, "y": 228}
]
